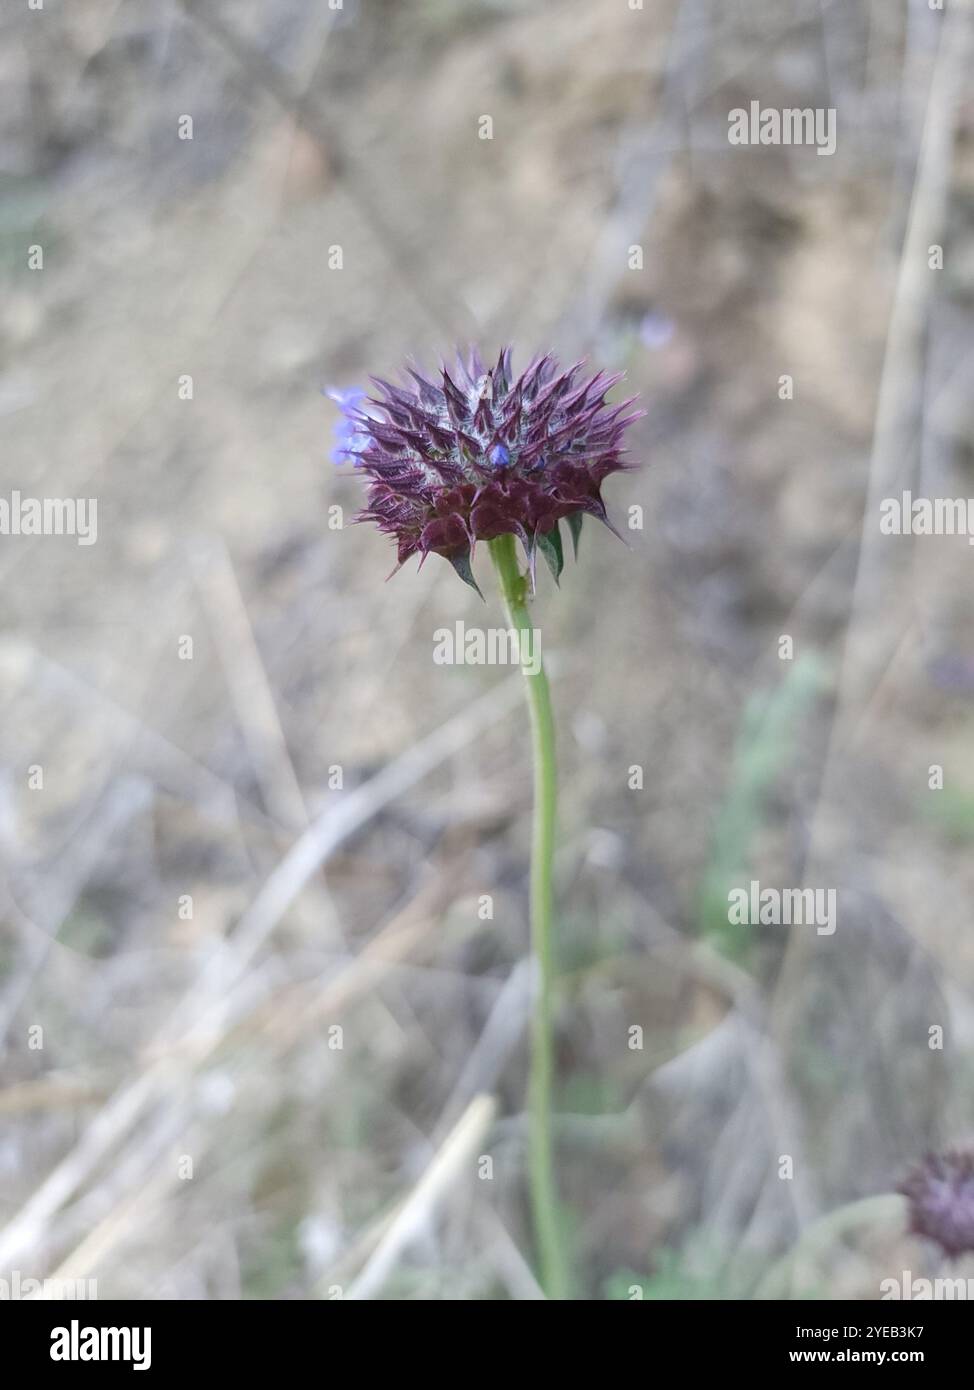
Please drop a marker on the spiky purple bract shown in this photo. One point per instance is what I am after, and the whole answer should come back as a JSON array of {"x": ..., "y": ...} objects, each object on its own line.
[
  {"x": 483, "y": 454},
  {"x": 940, "y": 1192}
]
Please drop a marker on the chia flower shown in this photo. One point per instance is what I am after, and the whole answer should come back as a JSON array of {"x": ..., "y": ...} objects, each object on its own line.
[
  {"x": 348, "y": 441},
  {"x": 482, "y": 454},
  {"x": 940, "y": 1192}
]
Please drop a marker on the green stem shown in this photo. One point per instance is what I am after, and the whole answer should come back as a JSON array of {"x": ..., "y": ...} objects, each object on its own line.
[{"x": 544, "y": 1197}]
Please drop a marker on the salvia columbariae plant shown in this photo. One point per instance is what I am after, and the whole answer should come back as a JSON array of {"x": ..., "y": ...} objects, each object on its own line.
[
  {"x": 484, "y": 455},
  {"x": 934, "y": 1201}
]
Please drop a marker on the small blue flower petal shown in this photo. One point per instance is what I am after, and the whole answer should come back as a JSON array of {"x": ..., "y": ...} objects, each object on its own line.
[{"x": 350, "y": 437}]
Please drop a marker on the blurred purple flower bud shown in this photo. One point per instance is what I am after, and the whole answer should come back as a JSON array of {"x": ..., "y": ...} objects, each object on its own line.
[
  {"x": 952, "y": 671},
  {"x": 940, "y": 1191}
]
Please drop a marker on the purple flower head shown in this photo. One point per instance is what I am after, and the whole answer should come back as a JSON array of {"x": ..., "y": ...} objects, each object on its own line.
[
  {"x": 483, "y": 454},
  {"x": 940, "y": 1192}
]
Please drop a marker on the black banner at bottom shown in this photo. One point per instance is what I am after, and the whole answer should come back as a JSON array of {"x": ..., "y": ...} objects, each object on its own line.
[{"x": 166, "y": 1339}]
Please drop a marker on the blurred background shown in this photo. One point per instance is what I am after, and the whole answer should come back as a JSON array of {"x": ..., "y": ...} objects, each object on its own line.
[{"x": 258, "y": 1034}]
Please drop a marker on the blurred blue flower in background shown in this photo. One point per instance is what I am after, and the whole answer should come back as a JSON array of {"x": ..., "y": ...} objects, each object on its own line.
[{"x": 655, "y": 331}]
